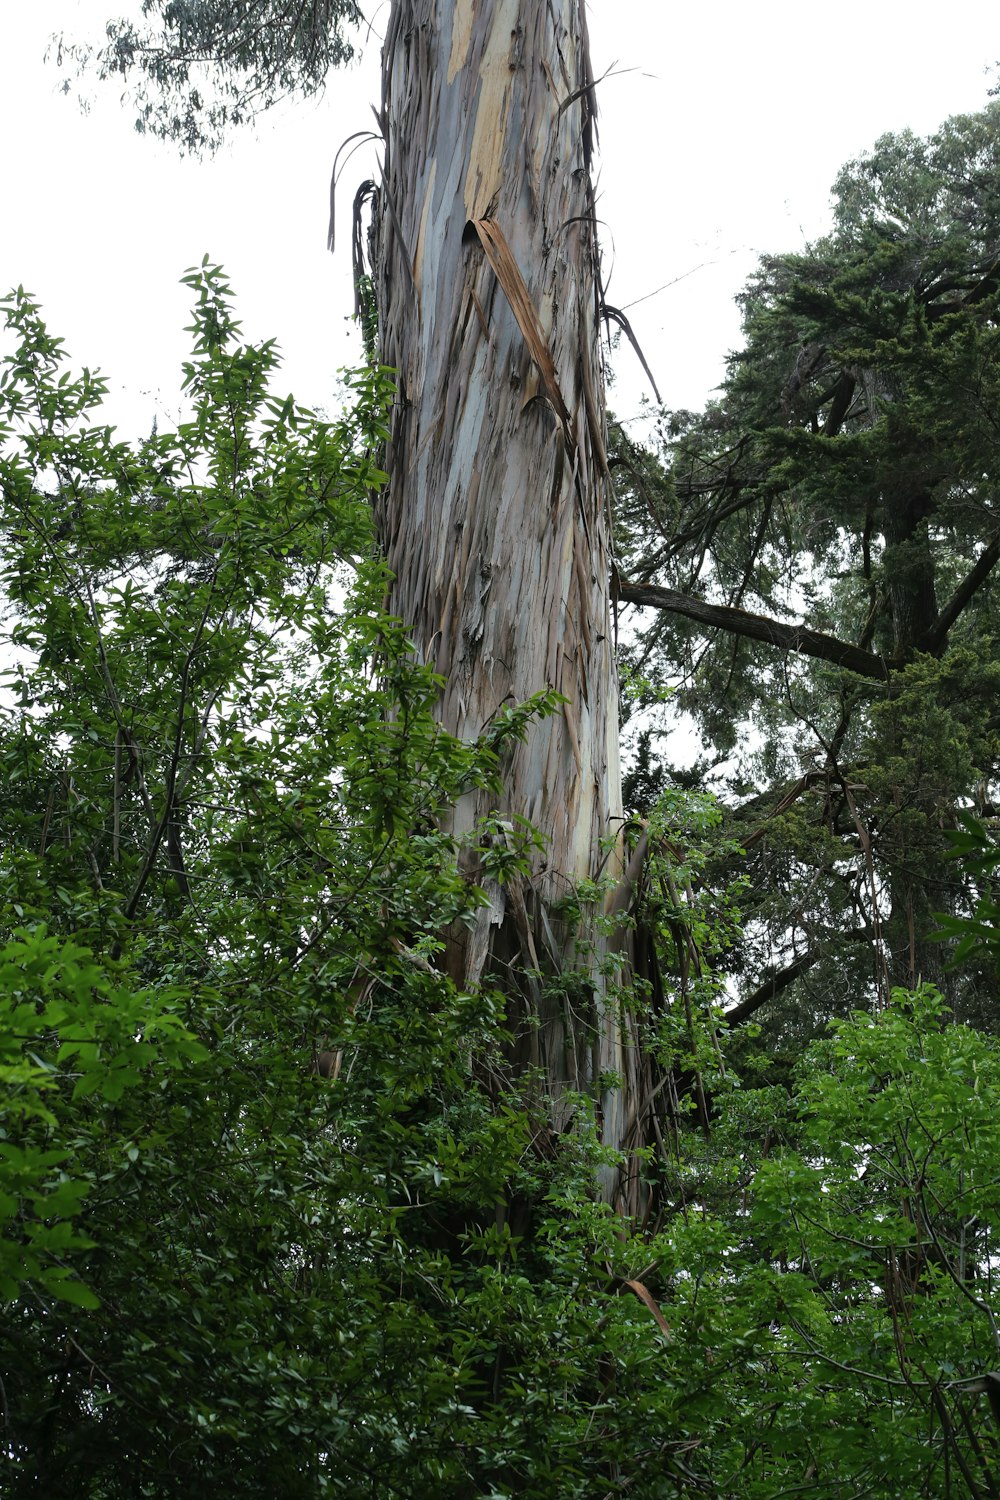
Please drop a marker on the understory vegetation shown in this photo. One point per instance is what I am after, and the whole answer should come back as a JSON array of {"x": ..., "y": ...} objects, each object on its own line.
[{"x": 277, "y": 1215}]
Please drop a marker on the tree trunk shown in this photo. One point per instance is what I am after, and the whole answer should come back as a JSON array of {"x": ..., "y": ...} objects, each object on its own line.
[{"x": 495, "y": 520}]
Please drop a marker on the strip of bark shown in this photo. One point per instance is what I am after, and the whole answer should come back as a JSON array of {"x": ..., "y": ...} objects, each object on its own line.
[{"x": 615, "y": 315}]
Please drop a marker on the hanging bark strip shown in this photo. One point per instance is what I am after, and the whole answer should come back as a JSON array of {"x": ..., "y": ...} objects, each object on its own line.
[{"x": 495, "y": 518}]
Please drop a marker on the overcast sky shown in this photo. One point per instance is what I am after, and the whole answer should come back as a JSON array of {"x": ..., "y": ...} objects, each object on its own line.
[{"x": 723, "y": 126}]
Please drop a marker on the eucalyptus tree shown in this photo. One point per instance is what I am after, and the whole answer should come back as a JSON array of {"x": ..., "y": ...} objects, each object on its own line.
[
  {"x": 266, "y": 1224},
  {"x": 820, "y": 548},
  {"x": 496, "y": 518},
  {"x": 259, "y": 53},
  {"x": 315, "y": 1239}
]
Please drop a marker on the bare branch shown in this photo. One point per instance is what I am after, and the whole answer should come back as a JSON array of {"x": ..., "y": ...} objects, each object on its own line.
[{"x": 799, "y": 638}]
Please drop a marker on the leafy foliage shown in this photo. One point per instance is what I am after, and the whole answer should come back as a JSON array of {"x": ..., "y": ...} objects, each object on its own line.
[
  {"x": 275, "y": 1217},
  {"x": 206, "y": 69},
  {"x": 830, "y": 1267},
  {"x": 62, "y": 1008}
]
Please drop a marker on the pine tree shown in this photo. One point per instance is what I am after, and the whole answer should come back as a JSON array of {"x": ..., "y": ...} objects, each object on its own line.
[{"x": 823, "y": 571}]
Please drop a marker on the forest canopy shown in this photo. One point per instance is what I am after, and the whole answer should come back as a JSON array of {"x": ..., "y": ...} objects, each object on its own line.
[
  {"x": 282, "y": 1209},
  {"x": 269, "y": 1216}
]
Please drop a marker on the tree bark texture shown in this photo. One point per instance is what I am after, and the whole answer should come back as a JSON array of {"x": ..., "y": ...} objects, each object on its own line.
[{"x": 495, "y": 520}]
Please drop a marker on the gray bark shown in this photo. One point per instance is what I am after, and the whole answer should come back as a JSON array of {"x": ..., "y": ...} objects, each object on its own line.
[{"x": 495, "y": 521}]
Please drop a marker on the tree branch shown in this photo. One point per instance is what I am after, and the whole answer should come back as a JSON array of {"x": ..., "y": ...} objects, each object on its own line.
[
  {"x": 933, "y": 640},
  {"x": 843, "y": 395},
  {"x": 759, "y": 628},
  {"x": 983, "y": 288},
  {"x": 776, "y": 981}
]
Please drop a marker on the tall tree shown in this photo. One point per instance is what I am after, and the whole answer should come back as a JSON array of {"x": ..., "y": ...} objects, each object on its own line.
[
  {"x": 828, "y": 535},
  {"x": 496, "y": 521}
]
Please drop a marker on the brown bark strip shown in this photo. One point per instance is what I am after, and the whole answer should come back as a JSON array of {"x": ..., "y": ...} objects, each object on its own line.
[
  {"x": 799, "y": 638},
  {"x": 507, "y": 272},
  {"x": 615, "y": 315},
  {"x": 646, "y": 1297},
  {"x": 623, "y": 897}
]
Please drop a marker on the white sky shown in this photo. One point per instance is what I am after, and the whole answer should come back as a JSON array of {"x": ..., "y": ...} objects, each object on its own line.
[{"x": 722, "y": 130}]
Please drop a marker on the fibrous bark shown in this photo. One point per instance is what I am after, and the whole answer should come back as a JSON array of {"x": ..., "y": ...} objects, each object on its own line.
[{"x": 495, "y": 520}]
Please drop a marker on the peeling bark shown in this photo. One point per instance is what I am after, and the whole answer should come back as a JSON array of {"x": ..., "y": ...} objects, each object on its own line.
[{"x": 495, "y": 519}]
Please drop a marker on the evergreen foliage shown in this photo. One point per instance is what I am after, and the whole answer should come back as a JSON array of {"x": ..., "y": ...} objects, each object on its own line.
[{"x": 826, "y": 538}]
